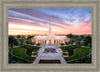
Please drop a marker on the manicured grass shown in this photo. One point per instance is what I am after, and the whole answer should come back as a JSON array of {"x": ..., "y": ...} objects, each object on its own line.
[
  {"x": 86, "y": 59},
  {"x": 14, "y": 59},
  {"x": 30, "y": 49},
  {"x": 20, "y": 52},
  {"x": 79, "y": 52}
]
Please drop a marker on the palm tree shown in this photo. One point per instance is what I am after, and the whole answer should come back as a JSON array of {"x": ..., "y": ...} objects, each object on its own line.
[
  {"x": 18, "y": 37},
  {"x": 29, "y": 39},
  {"x": 22, "y": 40},
  {"x": 78, "y": 41},
  {"x": 88, "y": 40},
  {"x": 70, "y": 36},
  {"x": 12, "y": 41}
]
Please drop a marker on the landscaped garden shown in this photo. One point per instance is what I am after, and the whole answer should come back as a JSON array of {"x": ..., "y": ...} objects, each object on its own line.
[
  {"x": 86, "y": 59},
  {"x": 21, "y": 53},
  {"x": 30, "y": 49},
  {"x": 21, "y": 48},
  {"x": 68, "y": 49},
  {"x": 16, "y": 59},
  {"x": 78, "y": 48},
  {"x": 64, "y": 49},
  {"x": 78, "y": 53}
]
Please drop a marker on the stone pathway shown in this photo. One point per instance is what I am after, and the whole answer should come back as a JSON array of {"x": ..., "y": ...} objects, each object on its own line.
[{"x": 49, "y": 56}]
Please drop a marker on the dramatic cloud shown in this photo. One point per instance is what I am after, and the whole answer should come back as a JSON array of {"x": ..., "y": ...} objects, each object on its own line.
[{"x": 37, "y": 20}]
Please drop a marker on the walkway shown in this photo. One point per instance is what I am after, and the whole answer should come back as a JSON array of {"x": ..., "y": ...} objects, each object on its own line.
[{"x": 49, "y": 56}]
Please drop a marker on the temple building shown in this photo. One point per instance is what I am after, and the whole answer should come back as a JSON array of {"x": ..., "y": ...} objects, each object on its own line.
[{"x": 50, "y": 38}]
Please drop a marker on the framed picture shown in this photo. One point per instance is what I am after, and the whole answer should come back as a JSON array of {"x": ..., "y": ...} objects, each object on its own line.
[{"x": 49, "y": 35}]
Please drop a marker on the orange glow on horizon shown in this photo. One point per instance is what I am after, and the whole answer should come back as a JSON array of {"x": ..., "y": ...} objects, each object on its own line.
[{"x": 32, "y": 30}]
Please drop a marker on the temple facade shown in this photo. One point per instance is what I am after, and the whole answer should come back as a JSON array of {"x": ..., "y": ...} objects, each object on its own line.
[
  {"x": 54, "y": 40},
  {"x": 50, "y": 38}
]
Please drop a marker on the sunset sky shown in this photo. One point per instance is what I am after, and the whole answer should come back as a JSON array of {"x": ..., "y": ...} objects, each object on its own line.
[{"x": 36, "y": 21}]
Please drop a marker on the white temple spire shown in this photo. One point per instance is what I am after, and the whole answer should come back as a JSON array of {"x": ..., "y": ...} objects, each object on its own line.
[
  {"x": 49, "y": 24},
  {"x": 49, "y": 33}
]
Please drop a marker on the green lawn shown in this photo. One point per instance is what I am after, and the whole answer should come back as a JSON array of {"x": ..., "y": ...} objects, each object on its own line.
[
  {"x": 79, "y": 52},
  {"x": 20, "y": 52}
]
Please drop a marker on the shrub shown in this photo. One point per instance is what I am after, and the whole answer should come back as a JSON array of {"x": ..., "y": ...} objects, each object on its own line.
[
  {"x": 30, "y": 49},
  {"x": 64, "y": 48},
  {"x": 67, "y": 43},
  {"x": 62, "y": 44},
  {"x": 38, "y": 44},
  {"x": 32, "y": 43}
]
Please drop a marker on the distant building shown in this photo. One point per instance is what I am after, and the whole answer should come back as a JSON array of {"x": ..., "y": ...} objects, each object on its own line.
[{"x": 50, "y": 38}]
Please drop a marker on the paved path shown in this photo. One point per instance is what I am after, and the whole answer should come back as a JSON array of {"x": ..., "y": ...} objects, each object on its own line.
[{"x": 49, "y": 56}]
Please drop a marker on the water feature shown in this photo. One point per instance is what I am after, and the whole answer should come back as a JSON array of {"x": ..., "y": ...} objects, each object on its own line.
[{"x": 49, "y": 50}]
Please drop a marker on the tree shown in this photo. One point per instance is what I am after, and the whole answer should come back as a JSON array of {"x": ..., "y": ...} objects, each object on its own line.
[
  {"x": 12, "y": 41},
  {"x": 29, "y": 40},
  {"x": 70, "y": 36},
  {"x": 72, "y": 41},
  {"x": 82, "y": 36},
  {"x": 70, "y": 50},
  {"x": 87, "y": 40},
  {"x": 18, "y": 36},
  {"x": 29, "y": 37},
  {"x": 78, "y": 40},
  {"x": 21, "y": 41},
  {"x": 67, "y": 43},
  {"x": 32, "y": 43}
]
